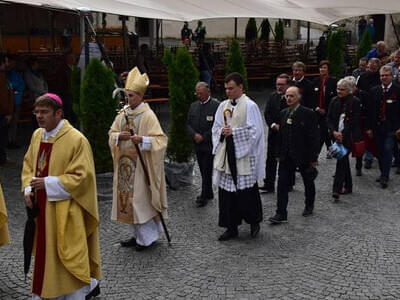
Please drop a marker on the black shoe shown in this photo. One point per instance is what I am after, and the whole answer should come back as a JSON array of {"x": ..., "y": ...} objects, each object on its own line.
[
  {"x": 290, "y": 189},
  {"x": 201, "y": 203},
  {"x": 278, "y": 219},
  {"x": 384, "y": 183},
  {"x": 266, "y": 189},
  {"x": 128, "y": 243},
  {"x": 378, "y": 179},
  {"x": 93, "y": 293},
  {"x": 367, "y": 164},
  {"x": 358, "y": 172},
  {"x": 139, "y": 248},
  {"x": 228, "y": 234},
  {"x": 335, "y": 196},
  {"x": 307, "y": 212},
  {"x": 398, "y": 170},
  {"x": 254, "y": 229}
]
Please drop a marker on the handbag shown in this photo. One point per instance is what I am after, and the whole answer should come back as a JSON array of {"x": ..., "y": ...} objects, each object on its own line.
[{"x": 358, "y": 149}]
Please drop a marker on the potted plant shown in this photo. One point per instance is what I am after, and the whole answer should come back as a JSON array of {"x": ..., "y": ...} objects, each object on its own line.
[
  {"x": 182, "y": 79},
  {"x": 235, "y": 62},
  {"x": 97, "y": 111},
  {"x": 335, "y": 53}
]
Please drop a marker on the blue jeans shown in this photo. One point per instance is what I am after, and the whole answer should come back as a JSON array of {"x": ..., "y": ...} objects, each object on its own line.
[{"x": 385, "y": 145}]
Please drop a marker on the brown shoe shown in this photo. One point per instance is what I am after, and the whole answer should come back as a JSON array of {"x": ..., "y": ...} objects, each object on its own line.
[{"x": 8, "y": 164}]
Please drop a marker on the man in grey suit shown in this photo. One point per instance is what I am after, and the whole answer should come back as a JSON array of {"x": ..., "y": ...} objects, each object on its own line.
[{"x": 199, "y": 123}]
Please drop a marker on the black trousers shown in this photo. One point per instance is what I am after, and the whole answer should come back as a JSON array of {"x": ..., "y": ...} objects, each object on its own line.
[
  {"x": 3, "y": 138},
  {"x": 205, "y": 161},
  {"x": 287, "y": 168},
  {"x": 342, "y": 175},
  {"x": 237, "y": 206},
  {"x": 271, "y": 166},
  {"x": 324, "y": 134}
]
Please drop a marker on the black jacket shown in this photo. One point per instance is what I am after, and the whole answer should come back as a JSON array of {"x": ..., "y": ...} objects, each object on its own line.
[
  {"x": 330, "y": 90},
  {"x": 351, "y": 107},
  {"x": 306, "y": 91},
  {"x": 275, "y": 103},
  {"x": 391, "y": 123},
  {"x": 299, "y": 140},
  {"x": 368, "y": 80},
  {"x": 200, "y": 120}
]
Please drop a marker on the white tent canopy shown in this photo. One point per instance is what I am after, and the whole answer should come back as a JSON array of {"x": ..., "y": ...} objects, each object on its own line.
[{"x": 319, "y": 11}]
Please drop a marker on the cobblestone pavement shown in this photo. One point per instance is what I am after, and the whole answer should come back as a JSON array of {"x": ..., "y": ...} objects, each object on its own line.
[{"x": 346, "y": 250}]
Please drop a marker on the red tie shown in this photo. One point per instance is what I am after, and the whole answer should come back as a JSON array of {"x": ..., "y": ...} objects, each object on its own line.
[{"x": 321, "y": 103}]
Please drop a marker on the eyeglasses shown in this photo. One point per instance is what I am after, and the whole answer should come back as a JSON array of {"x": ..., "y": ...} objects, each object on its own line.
[{"x": 41, "y": 112}]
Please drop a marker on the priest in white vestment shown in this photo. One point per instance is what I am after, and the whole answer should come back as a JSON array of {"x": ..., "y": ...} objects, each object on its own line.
[{"x": 239, "y": 199}]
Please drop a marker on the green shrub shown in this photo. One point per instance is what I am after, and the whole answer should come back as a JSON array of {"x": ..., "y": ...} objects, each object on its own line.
[
  {"x": 251, "y": 30},
  {"x": 97, "y": 111},
  {"x": 76, "y": 91},
  {"x": 182, "y": 79},
  {"x": 279, "y": 33},
  {"x": 365, "y": 45},
  {"x": 235, "y": 62},
  {"x": 265, "y": 30},
  {"x": 335, "y": 53}
]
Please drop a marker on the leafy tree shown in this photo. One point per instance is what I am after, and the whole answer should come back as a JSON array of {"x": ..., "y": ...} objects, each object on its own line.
[
  {"x": 182, "y": 79},
  {"x": 279, "y": 33},
  {"x": 364, "y": 47},
  {"x": 235, "y": 62},
  {"x": 335, "y": 53},
  {"x": 76, "y": 90},
  {"x": 251, "y": 30},
  {"x": 265, "y": 30},
  {"x": 97, "y": 111}
]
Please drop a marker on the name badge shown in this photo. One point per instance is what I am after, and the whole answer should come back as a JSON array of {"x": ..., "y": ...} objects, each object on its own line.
[
  {"x": 389, "y": 101},
  {"x": 210, "y": 118},
  {"x": 289, "y": 121}
]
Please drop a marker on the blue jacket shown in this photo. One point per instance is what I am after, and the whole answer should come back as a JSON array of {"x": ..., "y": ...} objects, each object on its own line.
[{"x": 18, "y": 85}]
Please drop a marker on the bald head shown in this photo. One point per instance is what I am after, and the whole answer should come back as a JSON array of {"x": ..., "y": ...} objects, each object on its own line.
[{"x": 293, "y": 96}]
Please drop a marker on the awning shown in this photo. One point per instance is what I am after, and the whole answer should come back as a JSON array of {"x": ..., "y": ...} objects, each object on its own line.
[{"x": 318, "y": 11}]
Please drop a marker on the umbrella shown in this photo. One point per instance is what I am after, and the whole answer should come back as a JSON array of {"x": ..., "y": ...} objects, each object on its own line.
[
  {"x": 29, "y": 233},
  {"x": 230, "y": 149}
]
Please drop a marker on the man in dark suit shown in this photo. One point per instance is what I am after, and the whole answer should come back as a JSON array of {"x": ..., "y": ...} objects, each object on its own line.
[
  {"x": 297, "y": 148},
  {"x": 276, "y": 102},
  {"x": 366, "y": 82},
  {"x": 324, "y": 91},
  {"x": 199, "y": 123},
  {"x": 371, "y": 78},
  {"x": 304, "y": 85},
  {"x": 383, "y": 121}
]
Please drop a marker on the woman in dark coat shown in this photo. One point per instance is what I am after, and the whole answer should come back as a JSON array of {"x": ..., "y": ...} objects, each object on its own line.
[{"x": 344, "y": 124}]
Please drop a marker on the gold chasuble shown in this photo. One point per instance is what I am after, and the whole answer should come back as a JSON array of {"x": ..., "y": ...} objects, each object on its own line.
[
  {"x": 134, "y": 201},
  {"x": 71, "y": 239},
  {"x": 4, "y": 238}
]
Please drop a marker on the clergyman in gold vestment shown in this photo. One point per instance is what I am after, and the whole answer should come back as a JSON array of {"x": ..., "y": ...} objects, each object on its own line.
[
  {"x": 135, "y": 200},
  {"x": 4, "y": 238},
  {"x": 59, "y": 168}
]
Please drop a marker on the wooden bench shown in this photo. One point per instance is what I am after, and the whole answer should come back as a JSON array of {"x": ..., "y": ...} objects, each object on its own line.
[{"x": 156, "y": 103}]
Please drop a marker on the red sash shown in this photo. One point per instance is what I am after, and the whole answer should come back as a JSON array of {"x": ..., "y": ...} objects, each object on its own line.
[
  {"x": 42, "y": 170},
  {"x": 321, "y": 103}
]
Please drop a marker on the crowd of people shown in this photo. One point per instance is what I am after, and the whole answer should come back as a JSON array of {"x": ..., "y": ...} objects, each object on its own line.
[{"x": 358, "y": 115}]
